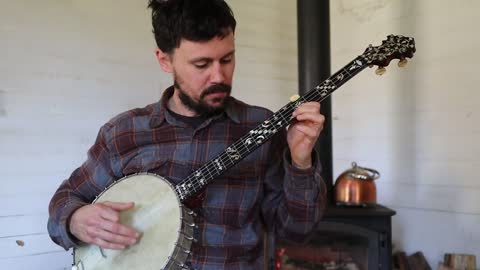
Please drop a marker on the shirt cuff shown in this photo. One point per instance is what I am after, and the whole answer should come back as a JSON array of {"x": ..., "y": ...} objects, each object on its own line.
[
  {"x": 69, "y": 240},
  {"x": 302, "y": 178}
]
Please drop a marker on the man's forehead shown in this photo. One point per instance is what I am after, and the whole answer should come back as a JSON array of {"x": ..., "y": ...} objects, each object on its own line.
[{"x": 218, "y": 45}]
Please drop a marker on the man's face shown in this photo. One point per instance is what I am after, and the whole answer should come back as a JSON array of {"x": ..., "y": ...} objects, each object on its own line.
[{"x": 203, "y": 73}]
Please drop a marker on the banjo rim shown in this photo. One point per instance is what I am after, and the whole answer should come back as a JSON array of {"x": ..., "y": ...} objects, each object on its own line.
[{"x": 185, "y": 215}]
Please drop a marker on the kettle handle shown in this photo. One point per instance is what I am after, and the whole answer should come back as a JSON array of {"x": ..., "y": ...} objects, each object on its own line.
[{"x": 375, "y": 173}]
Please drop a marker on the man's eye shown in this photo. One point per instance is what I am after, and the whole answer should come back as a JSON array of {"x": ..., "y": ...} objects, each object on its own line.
[
  {"x": 226, "y": 60},
  {"x": 201, "y": 65}
]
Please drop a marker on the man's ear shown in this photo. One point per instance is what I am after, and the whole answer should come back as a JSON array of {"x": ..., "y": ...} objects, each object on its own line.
[{"x": 164, "y": 60}]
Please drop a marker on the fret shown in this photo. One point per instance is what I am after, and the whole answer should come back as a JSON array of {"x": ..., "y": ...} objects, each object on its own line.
[
  {"x": 219, "y": 164},
  {"x": 208, "y": 168},
  {"x": 248, "y": 142},
  {"x": 180, "y": 192},
  {"x": 233, "y": 154}
]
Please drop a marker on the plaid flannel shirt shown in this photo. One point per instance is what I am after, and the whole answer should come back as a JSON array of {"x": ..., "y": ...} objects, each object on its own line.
[{"x": 263, "y": 191}]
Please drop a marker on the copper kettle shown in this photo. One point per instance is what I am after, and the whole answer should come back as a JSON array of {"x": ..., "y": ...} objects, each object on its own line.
[{"x": 356, "y": 186}]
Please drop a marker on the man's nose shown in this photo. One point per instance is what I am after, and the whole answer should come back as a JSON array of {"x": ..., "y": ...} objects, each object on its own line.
[{"x": 217, "y": 75}]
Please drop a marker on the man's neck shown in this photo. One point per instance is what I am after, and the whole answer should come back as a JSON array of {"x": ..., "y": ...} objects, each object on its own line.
[{"x": 175, "y": 104}]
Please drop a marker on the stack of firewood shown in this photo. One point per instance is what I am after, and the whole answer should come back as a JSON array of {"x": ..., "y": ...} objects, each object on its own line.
[
  {"x": 417, "y": 261},
  {"x": 458, "y": 261}
]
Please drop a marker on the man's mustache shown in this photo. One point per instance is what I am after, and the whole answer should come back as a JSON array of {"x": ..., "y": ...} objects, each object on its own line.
[{"x": 217, "y": 88}]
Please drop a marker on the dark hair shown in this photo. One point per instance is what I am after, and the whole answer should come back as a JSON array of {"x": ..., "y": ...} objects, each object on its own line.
[{"x": 194, "y": 20}]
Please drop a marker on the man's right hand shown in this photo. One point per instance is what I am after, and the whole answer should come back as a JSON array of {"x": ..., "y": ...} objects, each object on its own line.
[{"x": 98, "y": 224}]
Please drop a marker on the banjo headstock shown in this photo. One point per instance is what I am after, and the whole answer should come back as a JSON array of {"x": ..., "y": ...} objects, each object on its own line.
[{"x": 394, "y": 47}]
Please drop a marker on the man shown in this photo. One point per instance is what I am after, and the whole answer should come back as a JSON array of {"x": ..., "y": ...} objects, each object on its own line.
[{"x": 277, "y": 187}]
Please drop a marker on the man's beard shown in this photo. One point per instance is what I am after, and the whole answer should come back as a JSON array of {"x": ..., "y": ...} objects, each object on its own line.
[{"x": 201, "y": 107}]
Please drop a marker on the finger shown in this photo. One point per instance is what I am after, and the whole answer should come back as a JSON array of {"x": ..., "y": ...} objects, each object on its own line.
[
  {"x": 309, "y": 132},
  {"x": 119, "y": 206},
  {"x": 104, "y": 244},
  {"x": 307, "y": 107},
  {"x": 118, "y": 228},
  {"x": 306, "y": 111},
  {"x": 316, "y": 118},
  {"x": 111, "y": 237},
  {"x": 110, "y": 211},
  {"x": 109, "y": 214},
  {"x": 310, "y": 104}
]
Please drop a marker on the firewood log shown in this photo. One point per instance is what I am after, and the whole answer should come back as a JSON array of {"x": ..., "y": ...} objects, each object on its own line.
[
  {"x": 460, "y": 261},
  {"x": 418, "y": 262}
]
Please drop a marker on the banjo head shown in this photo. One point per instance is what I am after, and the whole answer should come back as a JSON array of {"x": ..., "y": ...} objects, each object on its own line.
[{"x": 157, "y": 214}]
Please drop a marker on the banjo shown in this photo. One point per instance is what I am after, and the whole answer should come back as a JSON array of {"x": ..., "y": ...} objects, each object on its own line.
[{"x": 161, "y": 209}]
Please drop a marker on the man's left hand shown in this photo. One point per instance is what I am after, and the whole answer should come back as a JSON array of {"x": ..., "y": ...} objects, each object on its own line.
[{"x": 303, "y": 133}]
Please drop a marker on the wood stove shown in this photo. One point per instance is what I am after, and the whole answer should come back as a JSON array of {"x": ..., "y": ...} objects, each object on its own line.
[{"x": 347, "y": 238}]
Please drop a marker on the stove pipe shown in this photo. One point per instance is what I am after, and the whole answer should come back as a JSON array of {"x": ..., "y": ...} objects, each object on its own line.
[{"x": 313, "y": 22}]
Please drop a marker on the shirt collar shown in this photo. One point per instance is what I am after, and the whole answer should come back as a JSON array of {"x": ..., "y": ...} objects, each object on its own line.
[{"x": 160, "y": 109}]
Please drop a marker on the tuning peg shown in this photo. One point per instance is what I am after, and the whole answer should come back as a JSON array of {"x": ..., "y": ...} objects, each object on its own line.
[
  {"x": 403, "y": 62},
  {"x": 294, "y": 97},
  {"x": 380, "y": 71}
]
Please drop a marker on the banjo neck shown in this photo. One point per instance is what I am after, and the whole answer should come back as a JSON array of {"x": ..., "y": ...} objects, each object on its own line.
[{"x": 395, "y": 47}]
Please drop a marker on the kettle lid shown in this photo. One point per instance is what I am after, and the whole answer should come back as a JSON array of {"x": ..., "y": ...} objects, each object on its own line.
[{"x": 362, "y": 173}]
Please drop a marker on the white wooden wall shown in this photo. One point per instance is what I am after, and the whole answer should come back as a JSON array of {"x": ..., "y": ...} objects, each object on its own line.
[
  {"x": 418, "y": 126},
  {"x": 66, "y": 67}
]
